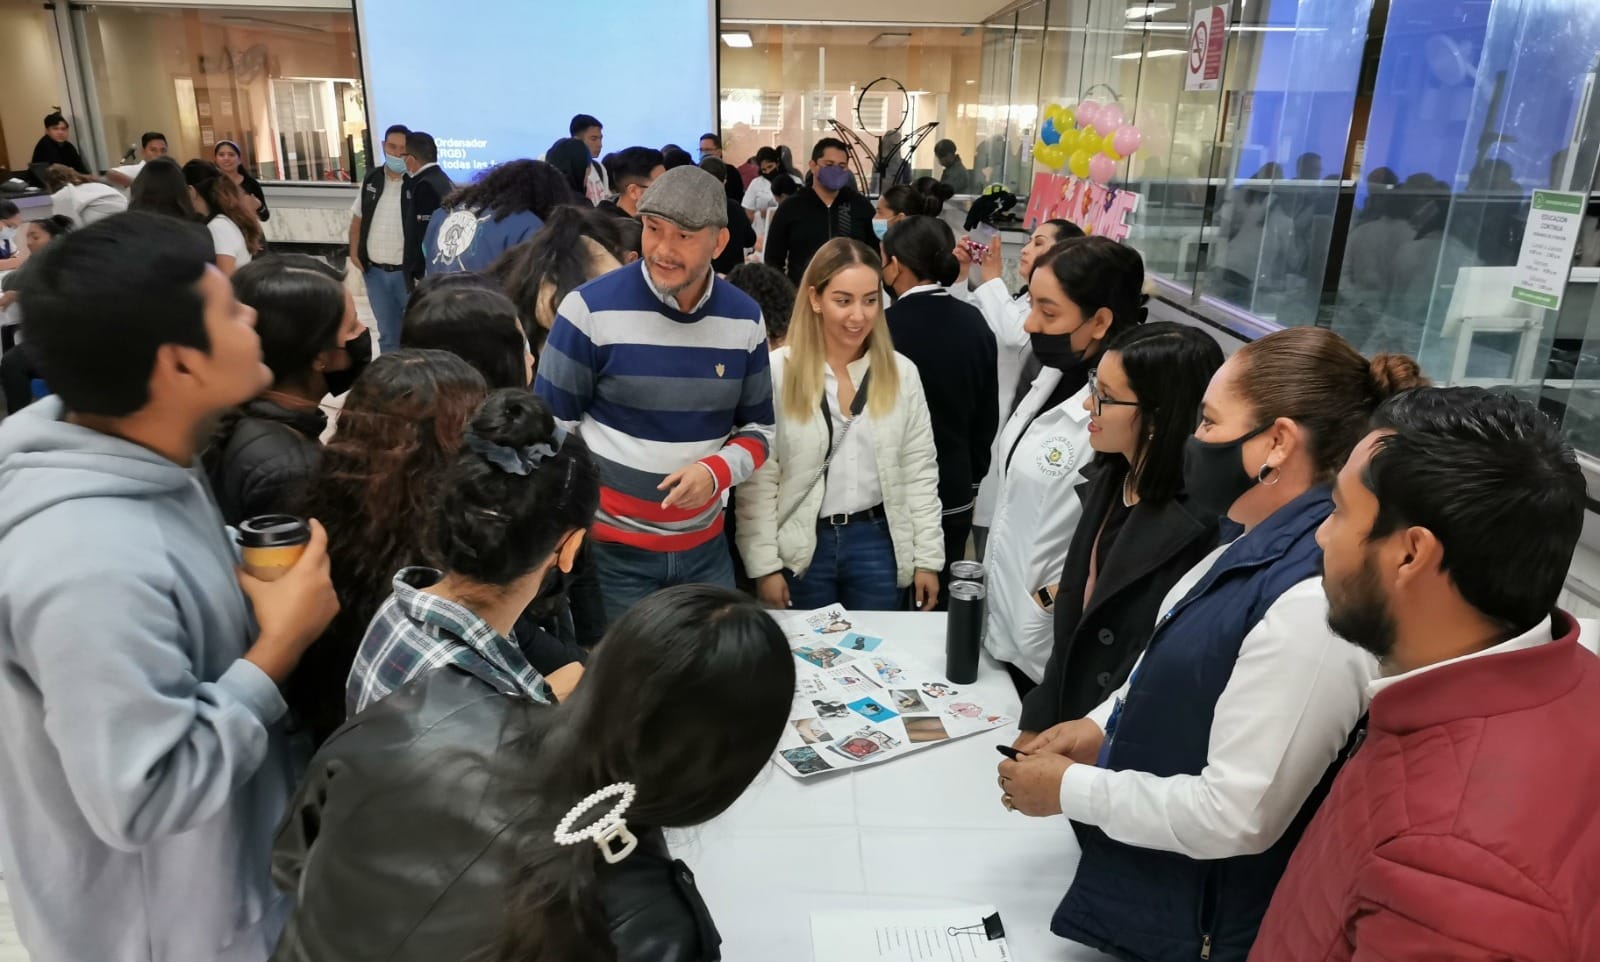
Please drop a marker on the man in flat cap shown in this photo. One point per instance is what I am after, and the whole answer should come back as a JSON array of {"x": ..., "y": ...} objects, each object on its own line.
[{"x": 661, "y": 367}]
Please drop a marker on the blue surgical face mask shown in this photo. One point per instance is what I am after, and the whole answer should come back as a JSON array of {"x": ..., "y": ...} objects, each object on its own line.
[
  {"x": 880, "y": 227},
  {"x": 834, "y": 178},
  {"x": 396, "y": 165}
]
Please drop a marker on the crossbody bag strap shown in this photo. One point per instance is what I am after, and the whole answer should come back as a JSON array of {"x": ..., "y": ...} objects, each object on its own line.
[{"x": 857, "y": 405}]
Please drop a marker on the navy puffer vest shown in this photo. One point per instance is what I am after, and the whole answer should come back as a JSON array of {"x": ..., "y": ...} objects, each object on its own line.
[{"x": 1154, "y": 906}]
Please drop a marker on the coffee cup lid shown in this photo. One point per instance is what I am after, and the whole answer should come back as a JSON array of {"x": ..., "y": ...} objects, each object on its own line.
[{"x": 273, "y": 531}]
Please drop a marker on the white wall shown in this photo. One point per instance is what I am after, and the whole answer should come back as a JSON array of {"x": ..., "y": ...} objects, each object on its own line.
[
  {"x": 882, "y": 11},
  {"x": 33, "y": 79}
]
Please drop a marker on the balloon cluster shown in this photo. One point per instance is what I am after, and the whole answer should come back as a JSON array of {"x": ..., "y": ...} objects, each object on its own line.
[{"x": 1087, "y": 139}]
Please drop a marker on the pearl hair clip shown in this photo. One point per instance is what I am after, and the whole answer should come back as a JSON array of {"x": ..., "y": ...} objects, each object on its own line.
[{"x": 609, "y": 829}]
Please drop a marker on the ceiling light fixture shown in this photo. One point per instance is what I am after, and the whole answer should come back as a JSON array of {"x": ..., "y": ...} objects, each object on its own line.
[{"x": 739, "y": 39}]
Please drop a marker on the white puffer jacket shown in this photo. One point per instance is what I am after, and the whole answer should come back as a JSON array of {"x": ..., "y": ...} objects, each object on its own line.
[{"x": 908, "y": 472}]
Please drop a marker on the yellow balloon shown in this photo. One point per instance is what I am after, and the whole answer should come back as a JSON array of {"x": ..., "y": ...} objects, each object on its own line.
[
  {"x": 1108, "y": 145},
  {"x": 1051, "y": 111},
  {"x": 1053, "y": 157},
  {"x": 1039, "y": 147},
  {"x": 1079, "y": 163},
  {"x": 1071, "y": 140},
  {"x": 1069, "y": 118}
]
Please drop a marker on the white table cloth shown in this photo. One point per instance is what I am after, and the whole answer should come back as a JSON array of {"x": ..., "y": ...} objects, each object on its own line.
[{"x": 923, "y": 831}]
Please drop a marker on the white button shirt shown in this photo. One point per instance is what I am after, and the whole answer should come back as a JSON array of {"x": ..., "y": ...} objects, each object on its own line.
[
  {"x": 852, "y": 484},
  {"x": 1296, "y": 693}
]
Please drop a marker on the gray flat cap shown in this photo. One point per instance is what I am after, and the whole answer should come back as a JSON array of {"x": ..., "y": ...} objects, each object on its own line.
[{"x": 687, "y": 196}]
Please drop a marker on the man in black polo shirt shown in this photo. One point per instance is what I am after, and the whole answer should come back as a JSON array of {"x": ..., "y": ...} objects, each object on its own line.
[{"x": 831, "y": 207}]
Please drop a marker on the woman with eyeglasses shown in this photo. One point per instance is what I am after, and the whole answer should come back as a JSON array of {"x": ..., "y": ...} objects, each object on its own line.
[
  {"x": 1139, "y": 532},
  {"x": 1086, "y": 292}
]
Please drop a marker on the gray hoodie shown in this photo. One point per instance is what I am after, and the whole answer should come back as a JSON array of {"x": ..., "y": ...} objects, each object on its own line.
[{"x": 142, "y": 767}]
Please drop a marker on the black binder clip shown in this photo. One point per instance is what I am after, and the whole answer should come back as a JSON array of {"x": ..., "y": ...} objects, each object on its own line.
[{"x": 990, "y": 928}]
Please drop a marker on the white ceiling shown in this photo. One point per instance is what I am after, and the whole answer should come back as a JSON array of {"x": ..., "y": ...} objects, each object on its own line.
[{"x": 876, "y": 11}]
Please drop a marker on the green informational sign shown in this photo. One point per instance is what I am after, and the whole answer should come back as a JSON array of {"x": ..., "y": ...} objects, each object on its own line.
[{"x": 1547, "y": 246}]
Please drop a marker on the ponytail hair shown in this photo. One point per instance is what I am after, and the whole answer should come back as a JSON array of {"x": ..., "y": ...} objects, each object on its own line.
[
  {"x": 1098, "y": 272},
  {"x": 925, "y": 246},
  {"x": 925, "y": 197},
  {"x": 1313, "y": 377},
  {"x": 683, "y": 661},
  {"x": 517, "y": 486}
]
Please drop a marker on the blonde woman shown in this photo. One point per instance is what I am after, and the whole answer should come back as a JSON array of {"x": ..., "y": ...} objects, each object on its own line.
[{"x": 846, "y": 510}]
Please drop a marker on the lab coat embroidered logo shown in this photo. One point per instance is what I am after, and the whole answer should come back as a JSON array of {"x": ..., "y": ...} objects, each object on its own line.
[
  {"x": 1055, "y": 457},
  {"x": 722, "y": 369}
]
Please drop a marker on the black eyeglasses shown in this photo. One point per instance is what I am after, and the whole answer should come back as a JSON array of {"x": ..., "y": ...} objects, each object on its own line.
[{"x": 1100, "y": 402}]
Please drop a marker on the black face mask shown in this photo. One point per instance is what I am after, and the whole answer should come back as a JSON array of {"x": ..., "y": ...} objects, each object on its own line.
[
  {"x": 1213, "y": 474},
  {"x": 360, "y": 354},
  {"x": 1055, "y": 350}
]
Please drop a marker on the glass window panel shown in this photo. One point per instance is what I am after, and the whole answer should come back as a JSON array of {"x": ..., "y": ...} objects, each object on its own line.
[
  {"x": 1289, "y": 93},
  {"x": 283, "y": 84},
  {"x": 786, "y": 87}
]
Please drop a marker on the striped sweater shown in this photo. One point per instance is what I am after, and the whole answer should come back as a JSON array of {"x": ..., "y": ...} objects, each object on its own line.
[{"x": 652, "y": 390}]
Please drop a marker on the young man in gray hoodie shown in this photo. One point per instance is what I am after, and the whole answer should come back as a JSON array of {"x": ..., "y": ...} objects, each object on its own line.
[{"x": 143, "y": 764}]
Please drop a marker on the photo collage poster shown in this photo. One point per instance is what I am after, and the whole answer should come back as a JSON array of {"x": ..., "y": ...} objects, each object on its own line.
[{"x": 857, "y": 702}]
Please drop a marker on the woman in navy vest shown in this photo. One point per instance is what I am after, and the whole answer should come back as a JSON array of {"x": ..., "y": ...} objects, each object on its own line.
[{"x": 1189, "y": 787}]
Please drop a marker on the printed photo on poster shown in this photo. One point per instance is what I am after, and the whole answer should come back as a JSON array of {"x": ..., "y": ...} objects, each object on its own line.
[
  {"x": 858, "y": 642},
  {"x": 831, "y": 709},
  {"x": 821, "y": 657},
  {"x": 934, "y": 689},
  {"x": 871, "y": 710},
  {"x": 830, "y": 621},
  {"x": 811, "y": 731},
  {"x": 924, "y": 729},
  {"x": 907, "y": 701},
  {"x": 806, "y": 761}
]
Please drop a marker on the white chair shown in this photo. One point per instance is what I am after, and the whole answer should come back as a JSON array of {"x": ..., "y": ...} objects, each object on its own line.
[{"x": 1589, "y": 634}]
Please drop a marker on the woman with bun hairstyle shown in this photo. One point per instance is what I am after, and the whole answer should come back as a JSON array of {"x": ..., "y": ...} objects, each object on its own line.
[
  {"x": 954, "y": 352},
  {"x": 1189, "y": 787},
  {"x": 924, "y": 198},
  {"x": 464, "y": 802},
  {"x": 513, "y": 507},
  {"x": 1086, "y": 292},
  {"x": 846, "y": 508}
]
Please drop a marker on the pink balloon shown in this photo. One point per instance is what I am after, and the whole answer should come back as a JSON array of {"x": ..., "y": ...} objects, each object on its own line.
[
  {"x": 1127, "y": 139},
  {"x": 1102, "y": 169},
  {"x": 1087, "y": 113},
  {"x": 1110, "y": 118}
]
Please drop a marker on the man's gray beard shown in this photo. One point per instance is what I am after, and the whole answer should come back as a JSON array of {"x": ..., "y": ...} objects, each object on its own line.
[{"x": 673, "y": 292}]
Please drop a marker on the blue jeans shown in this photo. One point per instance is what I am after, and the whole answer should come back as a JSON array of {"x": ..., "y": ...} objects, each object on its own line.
[
  {"x": 629, "y": 574},
  {"x": 853, "y": 566},
  {"x": 386, "y": 292}
]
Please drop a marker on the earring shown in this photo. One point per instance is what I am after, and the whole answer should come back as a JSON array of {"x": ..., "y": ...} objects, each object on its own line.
[{"x": 1268, "y": 469}]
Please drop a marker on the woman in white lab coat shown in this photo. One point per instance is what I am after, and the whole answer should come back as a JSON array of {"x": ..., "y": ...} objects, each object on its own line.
[
  {"x": 1084, "y": 293},
  {"x": 1006, "y": 314}
]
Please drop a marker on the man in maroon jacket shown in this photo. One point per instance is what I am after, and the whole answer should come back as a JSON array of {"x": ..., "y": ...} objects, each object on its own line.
[{"x": 1464, "y": 827}]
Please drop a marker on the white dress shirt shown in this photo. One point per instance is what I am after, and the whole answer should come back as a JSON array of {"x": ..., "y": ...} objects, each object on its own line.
[
  {"x": 852, "y": 483},
  {"x": 1296, "y": 693},
  {"x": 1541, "y": 634}
]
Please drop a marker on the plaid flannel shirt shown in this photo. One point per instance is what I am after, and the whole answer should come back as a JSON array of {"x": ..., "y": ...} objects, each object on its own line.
[{"x": 416, "y": 632}]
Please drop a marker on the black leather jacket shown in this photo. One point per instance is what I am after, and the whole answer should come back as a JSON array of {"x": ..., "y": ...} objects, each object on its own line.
[
  {"x": 401, "y": 843},
  {"x": 261, "y": 456}
]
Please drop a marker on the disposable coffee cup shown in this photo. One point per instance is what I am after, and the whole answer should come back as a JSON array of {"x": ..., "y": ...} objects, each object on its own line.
[{"x": 270, "y": 544}]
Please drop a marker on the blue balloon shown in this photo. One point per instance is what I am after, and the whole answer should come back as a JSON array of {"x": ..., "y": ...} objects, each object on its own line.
[{"x": 1049, "y": 134}]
